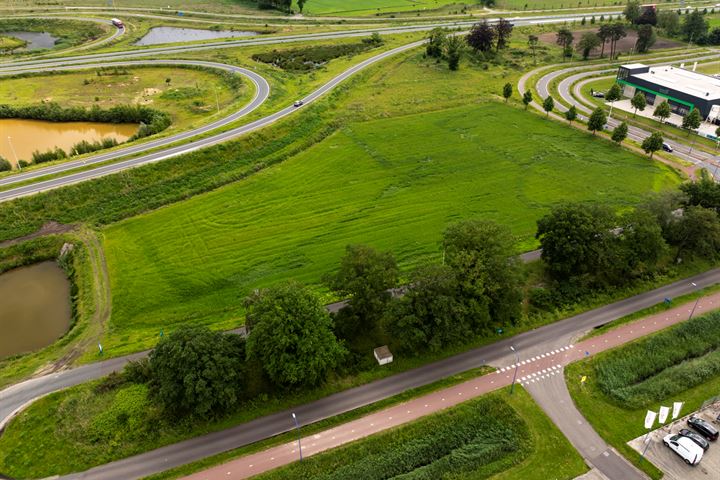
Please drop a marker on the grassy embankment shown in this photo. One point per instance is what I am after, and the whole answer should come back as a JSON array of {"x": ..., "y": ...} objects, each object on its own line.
[
  {"x": 69, "y": 33},
  {"x": 677, "y": 364}
]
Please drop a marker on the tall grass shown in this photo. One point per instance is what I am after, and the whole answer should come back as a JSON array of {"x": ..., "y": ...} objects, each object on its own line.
[{"x": 662, "y": 365}]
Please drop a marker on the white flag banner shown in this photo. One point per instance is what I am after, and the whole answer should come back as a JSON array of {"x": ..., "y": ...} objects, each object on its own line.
[
  {"x": 664, "y": 412},
  {"x": 650, "y": 419},
  {"x": 677, "y": 406}
]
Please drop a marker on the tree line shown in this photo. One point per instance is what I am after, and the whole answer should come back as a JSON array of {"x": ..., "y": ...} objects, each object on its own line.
[{"x": 482, "y": 39}]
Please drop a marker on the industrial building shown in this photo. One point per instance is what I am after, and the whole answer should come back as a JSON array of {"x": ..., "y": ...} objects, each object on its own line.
[{"x": 683, "y": 89}]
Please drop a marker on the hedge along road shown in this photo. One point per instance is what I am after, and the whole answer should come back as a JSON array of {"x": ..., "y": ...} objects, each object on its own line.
[{"x": 262, "y": 92}]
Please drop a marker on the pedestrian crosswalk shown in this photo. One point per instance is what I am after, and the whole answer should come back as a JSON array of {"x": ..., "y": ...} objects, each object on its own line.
[{"x": 535, "y": 359}]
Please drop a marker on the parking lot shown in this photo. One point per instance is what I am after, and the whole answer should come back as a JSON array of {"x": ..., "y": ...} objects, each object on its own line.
[{"x": 670, "y": 463}]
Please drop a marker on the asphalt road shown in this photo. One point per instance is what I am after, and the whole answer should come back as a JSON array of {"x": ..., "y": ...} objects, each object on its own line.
[
  {"x": 262, "y": 92},
  {"x": 528, "y": 344}
]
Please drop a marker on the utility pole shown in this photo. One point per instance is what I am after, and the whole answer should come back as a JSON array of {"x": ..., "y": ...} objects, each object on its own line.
[{"x": 17, "y": 162}]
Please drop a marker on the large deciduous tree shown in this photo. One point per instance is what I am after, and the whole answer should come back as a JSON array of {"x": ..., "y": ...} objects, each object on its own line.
[
  {"x": 436, "y": 42},
  {"x": 291, "y": 335},
  {"x": 692, "y": 120},
  {"x": 503, "y": 30},
  {"x": 365, "y": 277},
  {"x": 662, "y": 111},
  {"x": 453, "y": 52},
  {"x": 532, "y": 43},
  {"x": 587, "y": 43},
  {"x": 694, "y": 27},
  {"x": 482, "y": 254},
  {"x": 430, "y": 315},
  {"x": 481, "y": 37},
  {"x": 645, "y": 38},
  {"x": 632, "y": 11},
  {"x": 198, "y": 372}
]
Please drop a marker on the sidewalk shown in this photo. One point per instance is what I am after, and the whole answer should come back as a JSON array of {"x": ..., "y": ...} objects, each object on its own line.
[{"x": 529, "y": 371}]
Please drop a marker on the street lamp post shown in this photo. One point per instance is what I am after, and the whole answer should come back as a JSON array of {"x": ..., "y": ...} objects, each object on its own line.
[
  {"x": 696, "y": 303},
  {"x": 517, "y": 365},
  {"x": 14, "y": 153},
  {"x": 297, "y": 427}
]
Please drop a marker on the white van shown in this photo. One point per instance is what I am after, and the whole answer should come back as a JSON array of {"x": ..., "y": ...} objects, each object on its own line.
[{"x": 687, "y": 449}]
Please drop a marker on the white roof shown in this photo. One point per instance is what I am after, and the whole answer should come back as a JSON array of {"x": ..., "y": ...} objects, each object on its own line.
[
  {"x": 681, "y": 80},
  {"x": 633, "y": 66}
]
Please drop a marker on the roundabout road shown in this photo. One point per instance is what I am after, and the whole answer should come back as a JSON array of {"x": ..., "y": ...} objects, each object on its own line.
[{"x": 262, "y": 91}]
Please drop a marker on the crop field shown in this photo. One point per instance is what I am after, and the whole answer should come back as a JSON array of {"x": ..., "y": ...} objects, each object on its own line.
[
  {"x": 189, "y": 96},
  {"x": 394, "y": 184},
  {"x": 677, "y": 364}
]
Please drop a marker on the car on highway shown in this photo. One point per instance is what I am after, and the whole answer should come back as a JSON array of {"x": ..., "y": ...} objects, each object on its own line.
[
  {"x": 298, "y": 103},
  {"x": 667, "y": 147},
  {"x": 703, "y": 428},
  {"x": 698, "y": 439},
  {"x": 685, "y": 448}
]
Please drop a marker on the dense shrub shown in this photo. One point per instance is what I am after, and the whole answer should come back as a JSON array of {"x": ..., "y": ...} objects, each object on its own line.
[
  {"x": 86, "y": 147},
  {"x": 5, "y": 165},
  {"x": 310, "y": 58},
  {"x": 663, "y": 364},
  {"x": 49, "y": 156}
]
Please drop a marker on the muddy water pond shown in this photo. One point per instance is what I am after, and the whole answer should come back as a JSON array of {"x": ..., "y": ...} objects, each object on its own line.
[
  {"x": 35, "y": 40},
  {"x": 158, "y": 35},
  {"x": 26, "y": 136},
  {"x": 34, "y": 307}
]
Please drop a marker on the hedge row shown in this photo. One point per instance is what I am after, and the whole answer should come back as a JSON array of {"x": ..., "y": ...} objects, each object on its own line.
[
  {"x": 657, "y": 362},
  {"x": 310, "y": 58}
]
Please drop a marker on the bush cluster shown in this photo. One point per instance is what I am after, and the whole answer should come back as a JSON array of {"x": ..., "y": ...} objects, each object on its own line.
[
  {"x": 84, "y": 146},
  {"x": 661, "y": 365},
  {"x": 310, "y": 58}
]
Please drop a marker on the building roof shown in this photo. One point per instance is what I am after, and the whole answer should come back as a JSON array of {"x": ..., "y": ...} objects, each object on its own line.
[
  {"x": 633, "y": 66},
  {"x": 681, "y": 80}
]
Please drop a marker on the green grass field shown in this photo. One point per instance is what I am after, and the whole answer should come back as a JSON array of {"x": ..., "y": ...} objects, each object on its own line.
[
  {"x": 394, "y": 184},
  {"x": 371, "y": 7},
  {"x": 660, "y": 369}
]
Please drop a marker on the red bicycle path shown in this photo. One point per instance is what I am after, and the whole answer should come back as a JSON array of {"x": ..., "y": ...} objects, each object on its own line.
[{"x": 529, "y": 370}]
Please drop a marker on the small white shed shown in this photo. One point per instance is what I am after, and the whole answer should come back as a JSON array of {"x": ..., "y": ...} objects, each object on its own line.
[{"x": 383, "y": 355}]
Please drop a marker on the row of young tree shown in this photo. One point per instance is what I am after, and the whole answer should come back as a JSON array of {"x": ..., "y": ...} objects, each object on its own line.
[{"x": 293, "y": 342}]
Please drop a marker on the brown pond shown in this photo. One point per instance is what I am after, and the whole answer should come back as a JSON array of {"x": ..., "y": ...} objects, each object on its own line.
[
  {"x": 26, "y": 136},
  {"x": 34, "y": 307}
]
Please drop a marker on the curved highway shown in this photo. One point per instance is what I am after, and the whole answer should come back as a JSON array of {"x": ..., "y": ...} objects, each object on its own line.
[{"x": 262, "y": 91}]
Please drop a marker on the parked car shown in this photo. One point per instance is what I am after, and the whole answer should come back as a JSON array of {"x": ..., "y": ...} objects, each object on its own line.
[
  {"x": 298, "y": 103},
  {"x": 698, "y": 439},
  {"x": 667, "y": 147},
  {"x": 597, "y": 94},
  {"x": 684, "y": 448},
  {"x": 703, "y": 428}
]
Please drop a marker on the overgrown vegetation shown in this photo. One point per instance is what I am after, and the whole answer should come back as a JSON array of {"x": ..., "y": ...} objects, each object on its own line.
[{"x": 310, "y": 58}]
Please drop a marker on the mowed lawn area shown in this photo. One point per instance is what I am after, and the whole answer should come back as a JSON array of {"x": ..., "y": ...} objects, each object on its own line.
[{"x": 394, "y": 184}]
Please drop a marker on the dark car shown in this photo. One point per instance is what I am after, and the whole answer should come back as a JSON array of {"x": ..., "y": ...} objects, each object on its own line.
[
  {"x": 703, "y": 428},
  {"x": 698, "y": 439},
  {"x": 667, "y": 147}
]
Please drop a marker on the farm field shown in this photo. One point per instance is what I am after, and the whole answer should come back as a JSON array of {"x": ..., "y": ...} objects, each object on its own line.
[
  {"x": 189, "y": 96},
  {"x": 394, "y": 184},
  {"x": 677, "y": 364}
]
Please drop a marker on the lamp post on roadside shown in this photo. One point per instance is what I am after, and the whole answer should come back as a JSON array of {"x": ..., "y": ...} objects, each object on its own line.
[
  {"x": 696, "y": 303},
  {"x": 297, "y": 426},
  {"x": 517, "y": 365},
  {"x": 14, "y": 153}
]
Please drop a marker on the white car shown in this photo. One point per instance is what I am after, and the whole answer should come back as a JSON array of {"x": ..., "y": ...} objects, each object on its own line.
[
  {"x": 688, "y": 450},
  {"x": 298, "y": 103}
]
